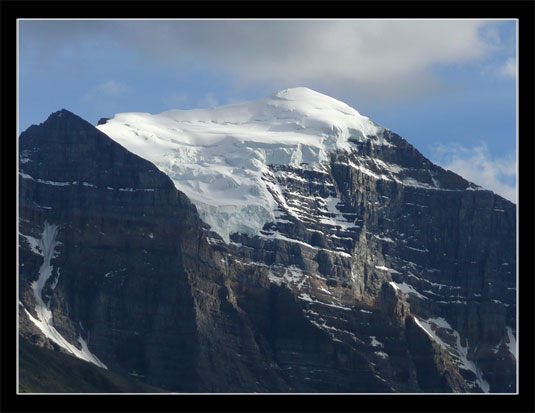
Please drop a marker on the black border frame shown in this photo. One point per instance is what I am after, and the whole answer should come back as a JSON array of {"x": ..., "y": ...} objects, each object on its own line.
[{"x": 524, "y": 11}]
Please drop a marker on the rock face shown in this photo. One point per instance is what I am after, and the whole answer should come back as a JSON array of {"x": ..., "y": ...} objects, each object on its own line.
[
  {"x": 46, "y": 371},
  {"x": 382, "y": 273}
]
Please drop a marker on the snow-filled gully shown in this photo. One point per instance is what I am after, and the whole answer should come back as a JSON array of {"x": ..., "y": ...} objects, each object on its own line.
[
  {"x": 44, "y": 321},
  {"x": 457, "y": 351}
]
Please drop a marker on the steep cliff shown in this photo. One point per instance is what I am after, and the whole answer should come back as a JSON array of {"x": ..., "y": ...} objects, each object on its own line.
[{"x": 378, "y": 271}]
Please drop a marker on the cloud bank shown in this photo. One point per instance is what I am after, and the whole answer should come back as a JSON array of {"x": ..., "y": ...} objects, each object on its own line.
[
  {"x": 509, "y": 68},
  {"x": 476, "y": 165},
  {"x": 379, "y": 59}
]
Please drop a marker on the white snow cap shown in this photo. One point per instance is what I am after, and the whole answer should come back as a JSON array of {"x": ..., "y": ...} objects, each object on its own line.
[{"x": 217, "y": 156}]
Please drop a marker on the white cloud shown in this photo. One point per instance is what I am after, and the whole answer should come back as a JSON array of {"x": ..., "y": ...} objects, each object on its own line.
[
  {"x": 491, "y": 35},
  {"x": 208, "y": 101},
  {"x": 478, "y": 166},
  {"x": 509, "y": 68},
  {"x": 375, "y": 59},
  {"x": 107, "y": 89},
  {"x": 368, "y": 56}
]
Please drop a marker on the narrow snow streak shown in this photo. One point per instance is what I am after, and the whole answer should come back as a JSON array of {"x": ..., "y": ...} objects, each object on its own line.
[
  {"x": 512, "y": 342},
  {"x": 383, "y": 268},
  {"x": 44, "y": 321},
  {"x": 407, "y": 289},
  {"x": 457, "y": 351}
]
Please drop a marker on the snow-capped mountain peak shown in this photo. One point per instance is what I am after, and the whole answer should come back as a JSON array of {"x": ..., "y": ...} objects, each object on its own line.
[
  {"x": 372, "y": 252},
  {"x": 218, "y": 156},
  {"x": 307, "y": 99}
]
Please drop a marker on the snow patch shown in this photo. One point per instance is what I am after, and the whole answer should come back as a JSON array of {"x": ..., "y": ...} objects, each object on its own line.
[
  {"x": 335, "y": 218},
  {"x": 511, "y": 343},
  {"x": 385, "y": 239},
  {"x": 278, "y": 235},
  {"x": 306, "y": 297},
  {"x": 416, "y": 249},
  {"x": 383, "y": 268},
  {"x": 54, "y": 183},
  {"x": 34, "y": 244},
  {"x": 136, "y": 189},
  {"x": 375, "y": 342},
  {"x": 456, "y": 349},
  {"x": 381, "y": 354},
  {"x": 406, "y": 289}
]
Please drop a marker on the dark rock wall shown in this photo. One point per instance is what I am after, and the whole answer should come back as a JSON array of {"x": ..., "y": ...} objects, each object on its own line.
[
  {"x": 124, "y": 231},
  {"x": 410, "y": 222},
  {"x": 305, "y": 307}
]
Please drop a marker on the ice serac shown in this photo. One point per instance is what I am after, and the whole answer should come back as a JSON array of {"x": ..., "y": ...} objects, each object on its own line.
[{"x": 338, "y": 258}]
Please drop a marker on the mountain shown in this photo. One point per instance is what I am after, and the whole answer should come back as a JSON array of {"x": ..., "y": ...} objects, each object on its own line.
[
  {"x": 219, "y": 157},
  {"x": 47, "y": 371},
  {"x": 288, "y": 244}
]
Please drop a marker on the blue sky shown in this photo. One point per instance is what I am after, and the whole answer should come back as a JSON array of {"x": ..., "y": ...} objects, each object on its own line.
[{"x": 447, "y": 86}]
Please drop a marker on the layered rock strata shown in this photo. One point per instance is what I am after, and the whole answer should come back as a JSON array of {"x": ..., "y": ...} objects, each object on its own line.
[{"x": 381, "y": 273}]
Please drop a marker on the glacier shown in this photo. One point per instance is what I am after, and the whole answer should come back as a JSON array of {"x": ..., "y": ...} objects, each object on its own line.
[{"x": 219, "y": 156}]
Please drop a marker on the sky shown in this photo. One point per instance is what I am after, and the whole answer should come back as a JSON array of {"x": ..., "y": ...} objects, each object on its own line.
[{"x": 447, "y": 86}]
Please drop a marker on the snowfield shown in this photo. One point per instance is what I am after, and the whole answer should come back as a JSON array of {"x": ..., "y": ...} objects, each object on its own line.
[{"x": 217, "y": 156}]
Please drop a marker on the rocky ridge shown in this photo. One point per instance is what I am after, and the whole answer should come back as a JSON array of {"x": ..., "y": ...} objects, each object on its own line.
[
  {"x": 354, "y": 241},
  {"x": 381, "y": 273}
]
